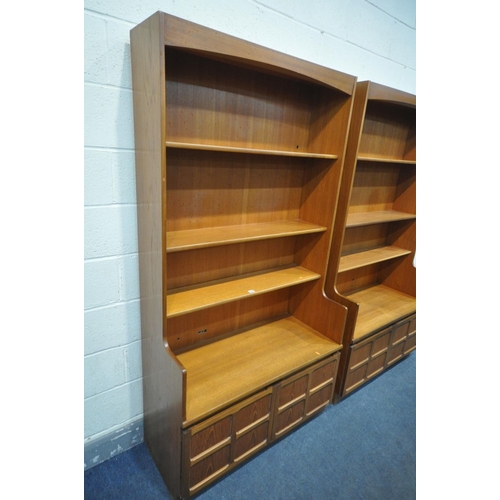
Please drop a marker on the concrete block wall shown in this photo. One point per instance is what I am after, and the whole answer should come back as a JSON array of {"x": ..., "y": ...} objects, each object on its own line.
[{"x": 372, "y": 40}]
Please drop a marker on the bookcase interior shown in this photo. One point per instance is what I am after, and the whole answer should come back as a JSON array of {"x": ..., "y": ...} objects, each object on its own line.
[
  {"x": 251, "y": 164},
  {"x": 389, "y": 131},
  {"x": 219, "y": 103}
]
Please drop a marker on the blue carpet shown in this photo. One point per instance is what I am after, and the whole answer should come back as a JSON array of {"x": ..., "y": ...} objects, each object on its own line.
[{"x": 362, "y": 448}]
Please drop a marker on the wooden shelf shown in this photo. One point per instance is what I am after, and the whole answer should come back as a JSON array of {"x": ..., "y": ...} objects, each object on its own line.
[
  {"x": 223, "y": 372},
  {"x": 386, "y": 160},
  {"x": 232, "y": 149},
  {"x": 380, "y": 306},
  {"x": 367, "y": 218},
  {"x": 190, "y": 299},
  {"x": 361, "y": 259},
  {"x": 224, "y": 235}
]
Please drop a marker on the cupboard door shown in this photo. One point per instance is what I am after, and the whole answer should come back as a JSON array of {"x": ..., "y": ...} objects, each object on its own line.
[
  {"x": 208, "y": 450},
  {"x": 400, "y": 333},
  {"x": 410, "y": 344},
  {"x": 303, "y": 395},
  {"x": 403, "y": 340},
  {"x": 395, "y": 353},
  {"x": 214, "y": 446},
  {"x": 321, "y": 385},
  {"x": 252, "y": 429},
  {"x": 376, "y": 365},
  {"x": 355, "y": 377},
  {"x": 251, "y": 442},
  {"x": 319, "y": 399},
  {"x": 411, "y": 340},
  {"x": 209, "y": 468},
  {"x": 378, "y": 358},
  {"x": 381, "y": 343},
  {"x": 290, "y": 404},
  {"x": 210, "y": 439},
  {"x": 360, "y": 355}
]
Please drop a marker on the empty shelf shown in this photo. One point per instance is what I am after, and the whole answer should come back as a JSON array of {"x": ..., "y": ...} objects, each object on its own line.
[
  {"x": 225, "y": 371},
  {"x": 190, "y": 299},
  {"x": 379, "y": 306},
  {"x": 216, "y": 236},
  {"x": 367, "y": 218},
  {"x": 361, "y": 259}
]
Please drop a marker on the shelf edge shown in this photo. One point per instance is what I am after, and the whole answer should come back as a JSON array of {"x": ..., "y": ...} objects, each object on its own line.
[
  {"x": 386, "y": 160},
  {"x": 389, "y": 256},
  {"x": 311, "y": 276},
  {"x": 308, "y": 228},
  {"x": 241, "y": 150}
]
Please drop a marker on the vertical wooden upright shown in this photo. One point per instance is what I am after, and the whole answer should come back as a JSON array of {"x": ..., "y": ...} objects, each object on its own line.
[{"x": 162, "y": 374}]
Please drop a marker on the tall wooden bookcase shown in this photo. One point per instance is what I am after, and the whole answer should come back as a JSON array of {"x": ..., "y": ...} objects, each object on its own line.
[
  {"x": 371, "y": 267},
  {"x": 239, "y": 155}
]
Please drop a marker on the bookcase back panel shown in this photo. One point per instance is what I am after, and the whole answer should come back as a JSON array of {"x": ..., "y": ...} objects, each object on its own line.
[
  {"x": 329, "y": 111},
  {"x": 388, "y": 131},
  {"x": 374, "y": 187},
  {"x": 405, "y": 198},
  {"x": 356, "y": 279},
  {"x": 358, "y": 239},
  {"x": 211, "y": 102},
  {"x": 224, "y": 189},
  {"x": 199, "y": 327},
  {"x": 402, "y": 234},
  {"x": 400, "y": 275},
  {"x": 220, "y": 103},
  {"x": 207, "y": 264}
]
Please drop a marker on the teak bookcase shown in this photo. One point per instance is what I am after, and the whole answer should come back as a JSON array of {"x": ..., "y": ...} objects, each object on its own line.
[
  {"x": 371, "y": 268},
  {"x": 239, "y": 155}
]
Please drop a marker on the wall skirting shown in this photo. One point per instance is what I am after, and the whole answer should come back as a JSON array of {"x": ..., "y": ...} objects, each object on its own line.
[{"x": 101, "y": 449}]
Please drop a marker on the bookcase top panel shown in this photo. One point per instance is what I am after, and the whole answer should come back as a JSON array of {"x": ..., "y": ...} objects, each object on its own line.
[{"x": 217, "y": 45}]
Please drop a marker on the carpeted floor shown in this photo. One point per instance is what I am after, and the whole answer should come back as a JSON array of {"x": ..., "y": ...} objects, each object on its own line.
[{"x": 362, "y": 448}]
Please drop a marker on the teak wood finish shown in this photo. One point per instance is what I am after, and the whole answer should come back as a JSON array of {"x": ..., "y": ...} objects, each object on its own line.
[
  {"x": 370, "y": 269},
  {"x": 239, "y": 157}
]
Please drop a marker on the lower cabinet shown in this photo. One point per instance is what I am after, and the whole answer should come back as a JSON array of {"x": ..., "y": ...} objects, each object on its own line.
[
  {"x": 220, "y": 443},
  {"x": 374, "y": 354}
]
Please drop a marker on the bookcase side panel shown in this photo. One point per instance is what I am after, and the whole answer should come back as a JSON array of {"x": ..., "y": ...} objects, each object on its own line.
[{"x": 163, "y": 376}]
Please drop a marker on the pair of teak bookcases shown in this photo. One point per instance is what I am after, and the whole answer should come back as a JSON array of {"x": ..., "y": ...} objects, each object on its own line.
[{"x": 276, "y": 218}]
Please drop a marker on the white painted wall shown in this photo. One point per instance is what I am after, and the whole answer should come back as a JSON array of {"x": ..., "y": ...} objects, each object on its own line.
[{"x": 373, "y": 40}]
